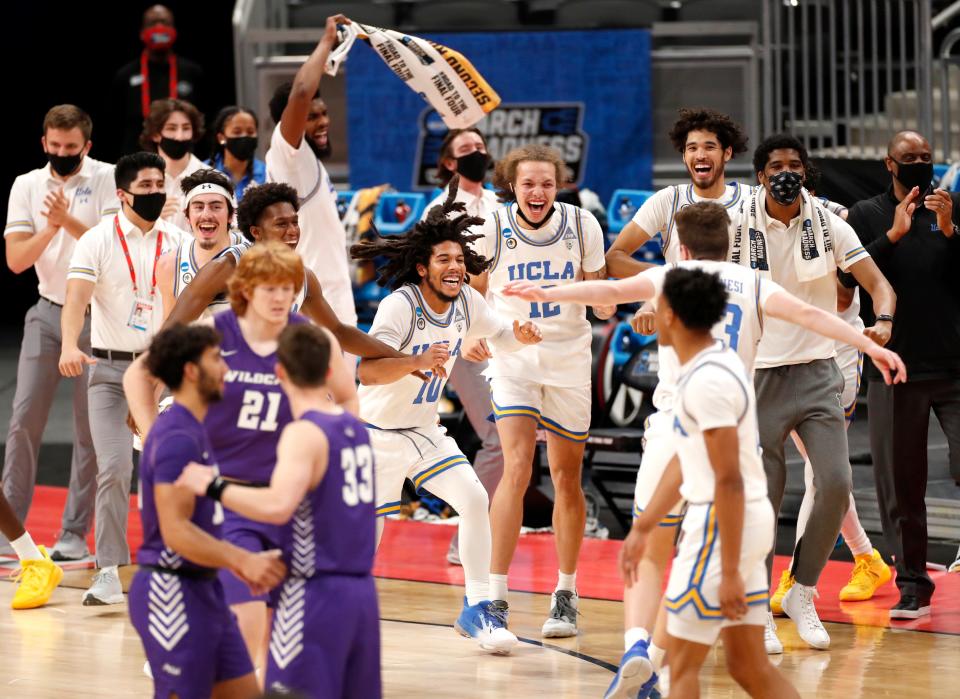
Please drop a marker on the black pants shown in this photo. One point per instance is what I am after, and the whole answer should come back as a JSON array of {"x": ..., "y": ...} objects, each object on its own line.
[{"x": 899, "y": 419}]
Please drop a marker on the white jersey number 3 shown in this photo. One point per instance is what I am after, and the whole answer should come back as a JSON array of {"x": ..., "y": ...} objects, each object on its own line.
[{"x": 357, "y": 465}]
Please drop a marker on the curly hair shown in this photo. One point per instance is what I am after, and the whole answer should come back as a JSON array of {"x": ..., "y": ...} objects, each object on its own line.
[
  {"x": 761, "y": 156},
  {"x": 256, "y": 199},
  {"x": 697, "y": 297},
  {"x": 727, "y": 130},
  {"x": 505, "y": 174},
  {"x": 178, "y": 345},
  {"x": 405, "y": 252}
]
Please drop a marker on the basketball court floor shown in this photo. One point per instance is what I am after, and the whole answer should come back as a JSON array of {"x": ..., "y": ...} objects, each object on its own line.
[{"x": 65, "y": 649}]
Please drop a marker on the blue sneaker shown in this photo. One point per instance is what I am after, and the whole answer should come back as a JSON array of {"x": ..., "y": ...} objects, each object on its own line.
[
  {"x": 487, "y": 623},
  {"x": 635, "y": 676}
]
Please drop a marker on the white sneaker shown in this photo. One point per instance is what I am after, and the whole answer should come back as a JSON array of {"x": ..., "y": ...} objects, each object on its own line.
[
  {"x": 770, "y": 640},
  {"x": 798, "y": 605},
  {"x": 562, "y": 622},
  {"x": 69, "y": 547},
  {"x": 105, "y": 589}
]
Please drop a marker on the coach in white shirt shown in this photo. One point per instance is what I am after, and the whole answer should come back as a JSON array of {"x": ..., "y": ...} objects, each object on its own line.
[
  {"x": 299, "y": 142},
  {"x": 114, "y": 267},
  {"x": 49, "y": 209}
]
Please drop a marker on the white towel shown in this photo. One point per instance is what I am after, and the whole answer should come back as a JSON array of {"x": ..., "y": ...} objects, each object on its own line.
[
  {"x": 442, "y": 76},
  {"x": 813, "y": 252}
]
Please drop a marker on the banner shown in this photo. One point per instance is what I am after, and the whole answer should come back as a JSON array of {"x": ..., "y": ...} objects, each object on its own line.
[{"x": 586, "y": 93}]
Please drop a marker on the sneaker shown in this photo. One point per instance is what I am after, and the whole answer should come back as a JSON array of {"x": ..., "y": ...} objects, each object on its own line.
[
  {"x": 487, "y": 623},
  {"x": 955, "y": 566},
  {"x": 69, "y": 547},
  {"x": 104, "y": 589},
  {"x": 776, "y": 601},
  {"x": 634, "y": 675},
  {"x": 38, "y": 579},
  {"x": 869, "y": 573},
  {"x": 910, "y": 607},
  {"x": 798, "y": 604},
  {"x": 771, "y": 642},
  {"x": 562, "y": 622}
]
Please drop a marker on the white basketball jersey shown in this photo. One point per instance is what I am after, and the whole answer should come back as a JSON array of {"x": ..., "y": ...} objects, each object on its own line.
[
  {"x": 714, "y": 391},
  {"x": 740, "y": 329},
  {"x": 186, "y": 269},
  {"x": 405, "y": 322},
  {"x": 236, "y": 252},
  {"x": 570, "y": 244}
]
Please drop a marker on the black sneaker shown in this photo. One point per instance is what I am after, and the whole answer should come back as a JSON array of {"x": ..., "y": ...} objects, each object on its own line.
[{"x": 910, "y": 607}]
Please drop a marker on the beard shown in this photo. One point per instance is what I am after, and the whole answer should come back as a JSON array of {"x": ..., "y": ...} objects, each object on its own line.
[
  {"x": 207, "y": 244},
  {"x": 440, "y": 293},
  {"x": 321, "y": 153},
  {"x": 209, "y": 388}
]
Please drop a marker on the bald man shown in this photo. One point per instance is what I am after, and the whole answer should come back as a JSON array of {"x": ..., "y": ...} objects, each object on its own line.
[{"x": 911, "y": 232}]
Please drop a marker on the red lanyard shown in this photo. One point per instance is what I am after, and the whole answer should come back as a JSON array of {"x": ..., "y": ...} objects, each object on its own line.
[
  {"x": 145, "y": 84},
  {"x": 126, "y": 252}
]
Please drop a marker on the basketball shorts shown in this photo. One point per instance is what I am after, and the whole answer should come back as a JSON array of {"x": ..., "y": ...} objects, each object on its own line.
[
  {"x": 189, "y": 635},
  {"x": 850, "y": 362},
  {"x": 692, "y": 598},
  {"x": 250, "y": 536},
  {"x": 562, "y": 410},
  {"x": 658, "y": 450},
  {"x": 419, "y": 453},
  {"x": 325, "y": 638}
]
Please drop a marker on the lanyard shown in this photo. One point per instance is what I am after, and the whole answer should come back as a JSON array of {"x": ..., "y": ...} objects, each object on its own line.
[
  {"x": 126, "y": 252},
  {"x": 145, "y": 84}
]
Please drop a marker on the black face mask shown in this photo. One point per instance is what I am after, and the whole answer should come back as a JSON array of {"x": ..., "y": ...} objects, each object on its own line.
[
  {"x": 785, "y": 187},
  {"x": 473, "y": 166},
  {"x": 148, "y": 206},
  {"x": 174, "y": 148},
  {"x": 912, "y": 175},
  {"x": 64, "y": 165},
  {"x": 542, "y": 222},
  {"x": 241, "y": 147}
]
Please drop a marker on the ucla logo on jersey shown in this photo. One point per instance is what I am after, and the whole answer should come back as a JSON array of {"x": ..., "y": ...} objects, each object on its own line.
[{"x": 537, "y": 270}]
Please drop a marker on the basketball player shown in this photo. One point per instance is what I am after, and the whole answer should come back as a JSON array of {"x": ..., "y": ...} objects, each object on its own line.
[
  {"x": 718, "y": 581},
  {"x": 432, "y": 313},
  {"x": 38, "y": 575},
  {"x": 325, "y": 640},
  {"x": 245, "y": 426},
  {"x": 191, "y": 639},
  {"x": 702, "y": 242},
  {"x": 534, "y": 238},
  {"x": 208, "y": 205}
]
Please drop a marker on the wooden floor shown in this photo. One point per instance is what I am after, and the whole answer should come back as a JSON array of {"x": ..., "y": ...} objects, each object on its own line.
[{"x": 67, "y": 650}]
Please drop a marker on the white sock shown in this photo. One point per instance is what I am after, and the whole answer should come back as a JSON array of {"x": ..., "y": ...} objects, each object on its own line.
[
  {"x": 634, "y": 634},
  {"x": 25, "y": 548},
  {"x": 656, "y": 655},
  {"x": 498, "y": 586},
  {"x": 567, "y": 581},
  {"x": 857, "y": 539},
  {"x": 476, "y": 591}
]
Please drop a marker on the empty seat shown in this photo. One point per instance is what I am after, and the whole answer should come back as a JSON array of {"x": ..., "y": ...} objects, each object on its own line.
[
  {"x": 464, "y": 14},
  {"x": 314, "y": 14},
  {"x": 593, "y": 14}
]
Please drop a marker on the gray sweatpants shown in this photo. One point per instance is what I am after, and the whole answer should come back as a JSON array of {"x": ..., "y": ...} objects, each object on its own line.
[
  {"x": 474, "y": 393},
  {"x": 37, "y": 378},
  {"x": 806, "y": 398},
  {"x": 114, "y": 445}
]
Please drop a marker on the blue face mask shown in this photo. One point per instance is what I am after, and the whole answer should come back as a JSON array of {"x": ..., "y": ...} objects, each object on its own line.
[{"x": 785, "y": 187}]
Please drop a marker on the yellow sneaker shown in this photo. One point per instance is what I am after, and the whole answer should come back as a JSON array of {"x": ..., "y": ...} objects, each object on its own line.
[
  {"x": 869, "y": 573},
  {"x": 776, "y": 601},
  {"x": 38, "y": 578}
]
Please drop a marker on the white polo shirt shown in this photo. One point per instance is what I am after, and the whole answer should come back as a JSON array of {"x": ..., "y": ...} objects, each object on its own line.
[
  {"x": 92, "y": 194},
  {"x": 99, "y": 258},
  {"x": 323, "y": 240},
  {"x": 785, "y": 343},
  {"x": 171, "y": 185},
  {"x": 482, "y": 206}
]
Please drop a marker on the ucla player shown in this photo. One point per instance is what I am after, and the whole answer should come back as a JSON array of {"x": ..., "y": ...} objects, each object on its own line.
[
  {"x": 192, "y": 643},
  {"x": 245, "y": 426},
  {"x": 325, "y": 640},
  {"x": 718, "y": 583},
  {"x": 535, "y": 238},
  {"x": 432, "y": 313},
  {"x": 702, "y": 242},
  {"x": 209, "y": 207}
]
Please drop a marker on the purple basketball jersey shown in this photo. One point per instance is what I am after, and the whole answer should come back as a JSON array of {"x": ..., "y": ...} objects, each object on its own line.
[
  {"x": 177, "y": 438},
  {"x": 245, "y": 426}
]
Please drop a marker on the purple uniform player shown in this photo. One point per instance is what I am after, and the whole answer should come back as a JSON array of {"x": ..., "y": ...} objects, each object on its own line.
[
  {"x": 325, "y": 640},
  {"x": 192, "y": 641}
]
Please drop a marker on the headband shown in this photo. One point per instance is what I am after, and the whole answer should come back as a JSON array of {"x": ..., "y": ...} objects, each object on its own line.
[{"x": 208, "y": 188}]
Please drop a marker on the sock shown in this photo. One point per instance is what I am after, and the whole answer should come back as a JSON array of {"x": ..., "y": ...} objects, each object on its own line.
[
  {"x": 567, "y": 581},
  {"x": 25, "y": 548},
  {"x": 498, "y": 586},
  {"x": 634, "y": 634},
  {"x": 476, "y": 591},
  {"x": 857, "y": 539},
  {"x": 656, "y": 655}
]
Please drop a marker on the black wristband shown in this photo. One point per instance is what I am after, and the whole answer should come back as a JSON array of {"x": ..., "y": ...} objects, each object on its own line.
[
  {"x": 216, "y": 488},
  {"x": 885, "y": 317}
]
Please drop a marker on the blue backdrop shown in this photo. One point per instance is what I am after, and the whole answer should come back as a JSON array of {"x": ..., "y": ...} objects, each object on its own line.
[{"x": 586, "y": 92}]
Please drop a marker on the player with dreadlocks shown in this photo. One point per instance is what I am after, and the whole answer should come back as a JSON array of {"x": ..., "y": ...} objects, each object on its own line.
[{"x": 429, "y": 315}]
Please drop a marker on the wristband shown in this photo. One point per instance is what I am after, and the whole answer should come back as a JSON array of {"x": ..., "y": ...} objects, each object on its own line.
[
  {"x": 885, "y": 317},
  {"x": 216, "y": 488}
]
